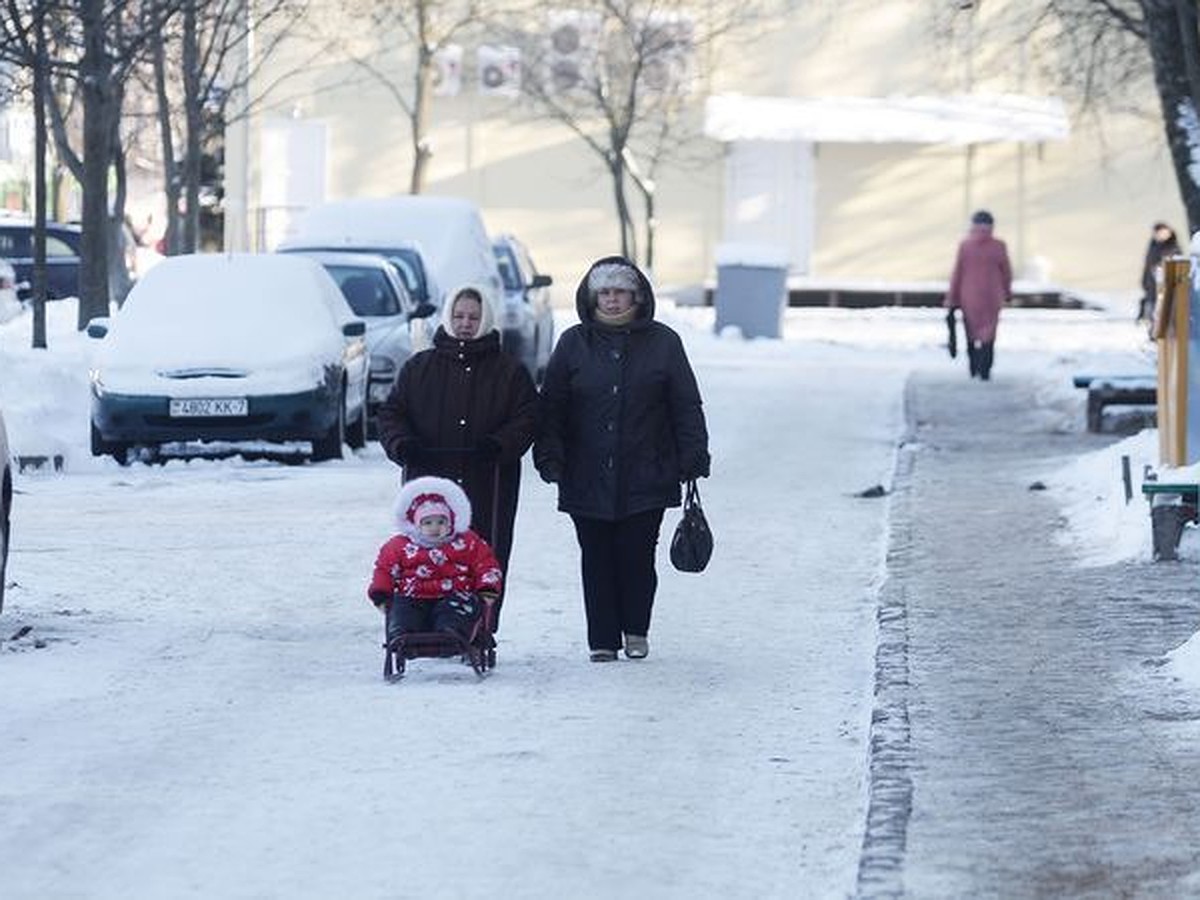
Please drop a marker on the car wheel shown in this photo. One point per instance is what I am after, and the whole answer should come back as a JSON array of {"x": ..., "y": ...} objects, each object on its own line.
[
  {"x": 356, "y": 434},
  {"x": 329, "y": 445},
  {"x": 101, "y": 447},
  {"x": 5, "y": 533}
]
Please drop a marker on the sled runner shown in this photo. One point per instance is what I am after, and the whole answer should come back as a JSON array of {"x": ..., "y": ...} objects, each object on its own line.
[{"x": 478, "y": 650}]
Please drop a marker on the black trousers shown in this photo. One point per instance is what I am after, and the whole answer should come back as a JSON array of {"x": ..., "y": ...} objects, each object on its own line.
[
  {"x": 619, "y": 580},
  {"x": 456, "y": 613}
]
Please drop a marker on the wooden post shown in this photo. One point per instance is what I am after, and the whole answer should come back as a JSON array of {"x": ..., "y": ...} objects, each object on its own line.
[{"x": 1171, "y": 316}]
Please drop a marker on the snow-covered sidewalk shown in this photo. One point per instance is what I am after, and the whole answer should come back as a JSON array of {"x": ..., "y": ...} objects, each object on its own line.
[{"x": 206, "y": 716}]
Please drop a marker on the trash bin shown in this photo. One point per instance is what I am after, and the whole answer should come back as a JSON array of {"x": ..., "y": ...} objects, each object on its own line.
[{"x": 751, "y": 289}]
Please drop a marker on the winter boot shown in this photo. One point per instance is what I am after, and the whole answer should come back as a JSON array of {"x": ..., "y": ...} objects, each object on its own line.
[
  {"x": 604, "y": 656},
  {"x": 986, "y": 352},
  {"x": 973, "y": 358},
  {"x": 636, "y": 646},
  {"x": 395, "y": 619}
]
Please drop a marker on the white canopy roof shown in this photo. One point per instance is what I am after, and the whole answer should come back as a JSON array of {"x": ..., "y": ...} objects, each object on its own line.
[{"x": 959, "y": 119}]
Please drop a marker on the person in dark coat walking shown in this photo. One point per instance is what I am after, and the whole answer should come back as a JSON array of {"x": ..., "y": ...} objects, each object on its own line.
[
  {"x": 621, "y": 427},
  {"x": 1163, "y": 244},
  {"x": 979, "y": 286},
  {"x": 465, "y": 410}
]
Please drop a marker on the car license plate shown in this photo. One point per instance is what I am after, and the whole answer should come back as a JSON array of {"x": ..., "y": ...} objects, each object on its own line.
[{"x": 209, "y": 406}]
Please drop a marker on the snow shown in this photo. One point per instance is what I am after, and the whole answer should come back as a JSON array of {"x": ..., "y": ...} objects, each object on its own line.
[
  {"x": 448, "y": 231},
  {"x": 206, "y": 716},
  {"x": 954, "y": 119},
  {"x": 274, "y": 321}
]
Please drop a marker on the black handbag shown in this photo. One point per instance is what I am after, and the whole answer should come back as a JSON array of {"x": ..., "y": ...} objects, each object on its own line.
[{"x": 692, "y": 544}]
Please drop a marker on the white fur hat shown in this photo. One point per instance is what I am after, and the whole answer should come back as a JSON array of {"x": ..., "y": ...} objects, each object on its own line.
[
  {"x": 614, "y": 276},
  {"x": 487, "y": 321},
  {"x": 430, "y": 494}
]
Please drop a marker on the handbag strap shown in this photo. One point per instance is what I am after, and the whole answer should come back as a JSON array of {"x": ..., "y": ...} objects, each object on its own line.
[{"x": 691, "y": 495}]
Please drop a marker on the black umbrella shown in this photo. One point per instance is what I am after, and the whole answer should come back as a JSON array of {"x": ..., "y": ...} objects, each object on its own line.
[{"x": 952, "y": 333}]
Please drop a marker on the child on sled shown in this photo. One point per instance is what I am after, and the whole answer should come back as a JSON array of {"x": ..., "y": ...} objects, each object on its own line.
[{"x": 435, "y": 575}]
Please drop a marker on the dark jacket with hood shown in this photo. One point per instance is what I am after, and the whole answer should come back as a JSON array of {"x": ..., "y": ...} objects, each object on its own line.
[
  {"x": 621, "y": 420},
  {"x": 459, "y": 410}
]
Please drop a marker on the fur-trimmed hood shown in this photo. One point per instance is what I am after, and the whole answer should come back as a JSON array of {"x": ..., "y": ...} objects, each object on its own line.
[{"x": 418, "y": 491}]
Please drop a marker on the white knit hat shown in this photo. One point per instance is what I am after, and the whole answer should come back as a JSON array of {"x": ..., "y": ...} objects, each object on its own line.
[{"x": 614, "y": 276}]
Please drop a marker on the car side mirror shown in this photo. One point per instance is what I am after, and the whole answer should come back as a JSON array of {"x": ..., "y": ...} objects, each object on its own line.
[
  {"x": 357, "y": 328},
  {"x": 541, "y": 281},
  {"x": 423, "y": 311},
  {"x": 98, "y": 327}
]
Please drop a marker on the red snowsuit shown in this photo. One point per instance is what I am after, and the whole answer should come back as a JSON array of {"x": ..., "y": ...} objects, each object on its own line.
[{"x": 464, "y": 564}]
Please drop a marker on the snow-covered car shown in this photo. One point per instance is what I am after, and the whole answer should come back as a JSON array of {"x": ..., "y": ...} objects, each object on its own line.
[
  {"x": 10, "y": 305},
  {"x": 6, "y": 495},
  {"x": 527, "y": 320},
  {"x": 374, "y": 290},
  {"x": 447, "y": 232},
  {"x": 230, "y": 348}
]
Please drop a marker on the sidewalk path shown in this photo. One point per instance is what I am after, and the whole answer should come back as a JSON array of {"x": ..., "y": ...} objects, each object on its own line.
[{"x": 1024, "y": 744}]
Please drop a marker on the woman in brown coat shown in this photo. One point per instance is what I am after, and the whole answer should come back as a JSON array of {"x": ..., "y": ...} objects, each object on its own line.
[
  {"x": 465, "y": 410},
  {"x": 979, "y": 286}
]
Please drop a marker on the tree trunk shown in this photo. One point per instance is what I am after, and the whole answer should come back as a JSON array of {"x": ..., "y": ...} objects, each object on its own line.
[
  {"x": 1167, "y": 43},
  {"x": 420, "y": 114},
  {"x": 167, "y": 139},
  {"x": 95, "y": 73},
  {"x": 192, "y": 103},
  {"x": 616, "y": 168},
  {"x": 40, "y": 86}
]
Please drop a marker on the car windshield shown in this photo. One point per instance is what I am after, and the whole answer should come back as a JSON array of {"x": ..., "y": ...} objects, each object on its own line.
[
  {"x": 366, "y": 289},
  {"x": 509, "y": 274},
  {"x": 408, "y": 264}
]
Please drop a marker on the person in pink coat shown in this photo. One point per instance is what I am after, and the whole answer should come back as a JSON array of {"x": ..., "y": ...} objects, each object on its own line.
[{"x": 979, "y": 286}]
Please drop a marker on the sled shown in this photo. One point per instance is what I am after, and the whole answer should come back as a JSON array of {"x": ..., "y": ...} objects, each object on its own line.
[{"x": 478, "y": 650}]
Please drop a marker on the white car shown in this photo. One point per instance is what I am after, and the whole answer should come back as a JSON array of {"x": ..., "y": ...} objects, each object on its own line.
[
  {"x": 231, "y": 348},
  {"x": 374, "y": 289},
  {"x": 6, "y": 495},
  {"x": 527, "y": 322},
  {"x": 448, "y": 233}
]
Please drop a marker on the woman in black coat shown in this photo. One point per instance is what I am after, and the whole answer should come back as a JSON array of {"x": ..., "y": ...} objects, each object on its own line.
[
  {"x": 621, "y": 427},
  {"x": 466, "y": 411}
]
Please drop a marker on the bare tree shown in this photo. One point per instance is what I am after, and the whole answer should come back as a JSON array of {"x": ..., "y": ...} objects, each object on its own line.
[
  {"x": 1100, "y": 52},
  {"x": 192, "y": 73},
  {"x": 23, "y": 39},
  {"x": 624, "y": 77},
  {"x": 425, "y": 28}
]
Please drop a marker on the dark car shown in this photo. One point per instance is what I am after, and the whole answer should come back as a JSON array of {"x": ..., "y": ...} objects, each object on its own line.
[{"x": 62, "y": 256}]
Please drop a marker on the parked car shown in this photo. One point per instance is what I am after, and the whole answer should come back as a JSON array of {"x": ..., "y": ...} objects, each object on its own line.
[
  {"x": 10, "y": 305},
  {"x": 374, "y": 290},
  {"x": 62, "y": 256},
  {"x": 404, "y": 258},
  {"x": 527, "y": 321},
  {"x": 231, "y": 347},
  {"x": 6, "y": 495},
  {"x": 447, "y": 232}
]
